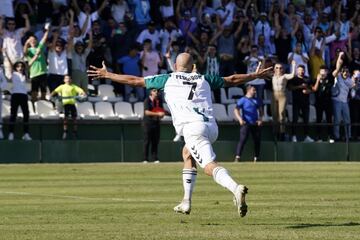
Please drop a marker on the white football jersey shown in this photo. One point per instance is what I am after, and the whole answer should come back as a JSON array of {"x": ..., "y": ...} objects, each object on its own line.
[{"x": 188, "y": 96}]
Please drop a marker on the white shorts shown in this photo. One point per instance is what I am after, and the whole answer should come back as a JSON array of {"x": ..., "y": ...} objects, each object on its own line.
[{"x": 198, "y": 138}]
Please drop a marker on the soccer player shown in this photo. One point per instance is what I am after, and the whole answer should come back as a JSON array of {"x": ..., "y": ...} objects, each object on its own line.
[
  {"x": 68, "y": 92},
  {"x": 188, "y": 95}
]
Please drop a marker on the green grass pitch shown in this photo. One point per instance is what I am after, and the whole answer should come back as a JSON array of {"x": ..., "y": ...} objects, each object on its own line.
[{"x": 135, "y": 201}]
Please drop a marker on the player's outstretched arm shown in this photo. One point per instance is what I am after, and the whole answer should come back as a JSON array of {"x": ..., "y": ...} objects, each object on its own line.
[
  {"x": 238, "y": 79},
  {"x": 120, "y": 78}
]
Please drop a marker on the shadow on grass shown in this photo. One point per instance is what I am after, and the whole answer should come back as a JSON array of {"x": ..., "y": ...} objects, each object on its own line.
[{"x": 310, "y": 225}]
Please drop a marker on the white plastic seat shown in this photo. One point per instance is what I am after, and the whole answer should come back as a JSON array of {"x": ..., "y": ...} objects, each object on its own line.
[
  {"x": 289, "y": 110},
  {"x": 45, "y": 110},
  {"x": 267, "y": 96},
  {"x": 230, "y": 110},
  {"x": 166, "y": 118},
  {"x": 86, "y": 111},
  {"x": 139, "y": 109},
  {"x": 105, "y": 110},
  {"x": 235, "y": 93},
  {"x": 266, "y": 117},
  {"x": 220, "y": 112},
  {"x": 105, "y": 93},
  {"x": 312, "y": 114},
  {"x": 124, "y": 111},
  {"x": 224, "y": 99},
  {"x": 5, "y": 108}
]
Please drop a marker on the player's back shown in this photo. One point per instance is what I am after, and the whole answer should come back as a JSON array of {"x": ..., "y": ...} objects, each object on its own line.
[{"x": 188, "y": 96}]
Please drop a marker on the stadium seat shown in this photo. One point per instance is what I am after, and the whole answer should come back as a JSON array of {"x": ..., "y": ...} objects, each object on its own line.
[
  {"x": 224, "y": 99},
  {"x": 312, "y": 114},
  {"x": 267, "y": 117},
  {"x": 289, "y": 112},
  {"x": 86, "y": 111},
  {"x": 230, "y": 110},
  {"x": 220, "y": 113},
  {"x": 166, "y": 117},
  {"x": 45, "y": 110},
  {"x": 5, "y": 108},
  {"x": 267, "y": 96},
  {"x": 124, "y": 111},
  {"x": 105, "y": 110},
  {"x": 139, "y": 109},
  {"x": 105, "y": 93},
  {"x": 235, "y": 93}
]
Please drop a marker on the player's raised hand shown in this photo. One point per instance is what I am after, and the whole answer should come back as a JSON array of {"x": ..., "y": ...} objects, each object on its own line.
[
  {"x": 263, "y": 73},
  {"x": 97, "y": 72}
]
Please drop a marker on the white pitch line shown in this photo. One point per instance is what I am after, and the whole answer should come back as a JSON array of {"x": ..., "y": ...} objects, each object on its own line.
[{"x": 79, "y": 197}]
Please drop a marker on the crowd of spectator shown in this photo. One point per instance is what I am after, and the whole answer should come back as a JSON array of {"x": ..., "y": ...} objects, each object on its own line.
[{"x": 143, "y": 37}]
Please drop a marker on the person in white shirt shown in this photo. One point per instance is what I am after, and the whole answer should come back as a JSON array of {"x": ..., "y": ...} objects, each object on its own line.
[
  {"x": 19, "y": 98},
  {"x": 86, "y": 11},
  {"x": 300, "y": 57},
  {"x": 12, "y": 46},
  {"x": 118, "y": 9},
  {"x": 57, "y": 61},
  {"x": 3, "y": 83},
  {"x": 149, "y": 33}
]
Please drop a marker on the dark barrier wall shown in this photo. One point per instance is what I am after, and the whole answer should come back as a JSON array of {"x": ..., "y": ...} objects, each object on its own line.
[{"x": 122, "y": 141}]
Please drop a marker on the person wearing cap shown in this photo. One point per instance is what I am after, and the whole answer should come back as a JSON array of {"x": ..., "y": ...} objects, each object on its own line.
[
  {"x": 263, "y": 27},
  {"x": 149, "y": 33},
  {"x": 153, "y": 113},
  {"x": 57, "y": 61},
  {"x": 35, "y": 54},
  {"x": 19, "y": 98},
  {"x": 79, "y": 55},
  {"x": 248, "y": 113}
]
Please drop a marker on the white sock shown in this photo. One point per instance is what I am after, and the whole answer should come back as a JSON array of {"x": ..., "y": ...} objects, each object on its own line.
[
  {"x": 222, "y": 177},
  {"x": 189, "y": 179}
]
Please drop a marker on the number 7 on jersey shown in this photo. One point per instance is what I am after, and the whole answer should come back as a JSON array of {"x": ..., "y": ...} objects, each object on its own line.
[{"x": 192, "y": 90}]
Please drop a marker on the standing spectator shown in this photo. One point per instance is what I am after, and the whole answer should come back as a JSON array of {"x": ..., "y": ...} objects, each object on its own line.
[
  {"x": 3, "y": 83},
  {"x": 57, "y": 60},
  {"x": 316, "y": 59},
  {"x": 185, "y": 23},
  {"x": 68, "y": 92},
  {"x": 12, "y": 46},
  {"x": 153, "y": 112},
  {"x": 79, "y": 55},
  {"x": 226, "y": 48},
  {"x": 278, "y": 100},
  {"x": 119, "y": 9},
  {"x": 121, "y": 42},
  {"x": 250, "y": 121},
  {"x": 263, "y": 27},
  {"x": 7, "y": 8},
  {"x": 252, "y": 61},
  {"x": 149, "y": 33},
  {"x": 173, "y": 50},
  {"x": 282, "y": 40},
  {"x": 323, "y": 102},
  {"x": 167, "y": 34},
  {"x": 141, "y": 13},
  {"x": 340, "y": 92},
  {"x": 86, "y": 12},
  {"x": 35, "y": 54},
  {"x": 130, "y": 64},
  {"x": 19, "y": 98},
  {"x": 355, "y": 105},
  {"x": 150, "y": 60},
  {"x": 301, "y": 89},
  {"x": 167, "y": 9},
  {"x": 300, "y": 57}
]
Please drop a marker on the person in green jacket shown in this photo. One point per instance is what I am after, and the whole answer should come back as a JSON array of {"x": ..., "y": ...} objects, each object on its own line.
[{"x": 68, "y": 92}]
